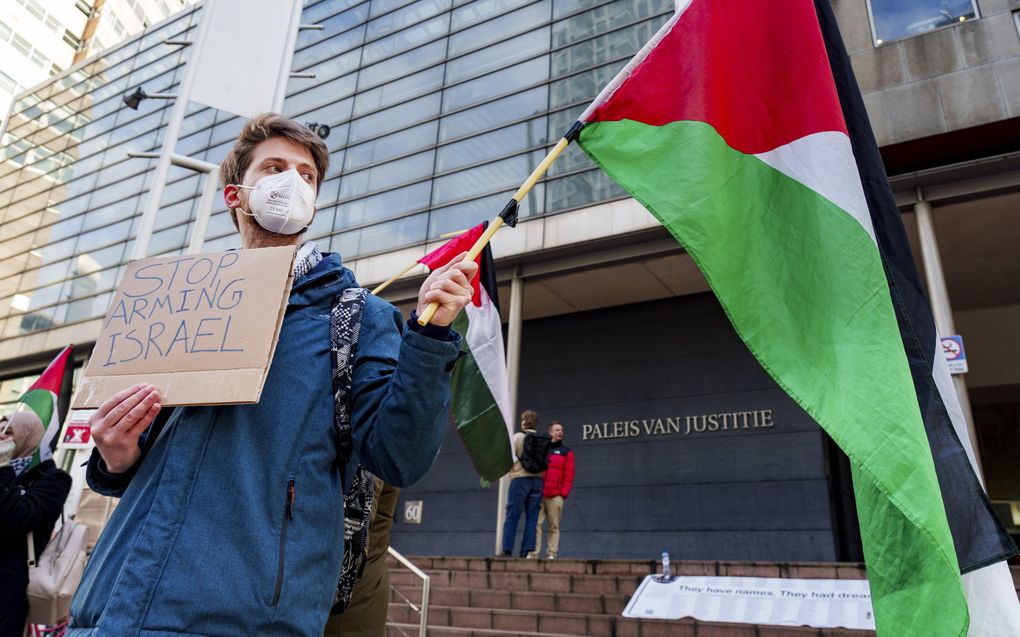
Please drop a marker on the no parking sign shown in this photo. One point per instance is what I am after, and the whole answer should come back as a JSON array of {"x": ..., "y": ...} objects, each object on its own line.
[{"x": 956, "y": 357}]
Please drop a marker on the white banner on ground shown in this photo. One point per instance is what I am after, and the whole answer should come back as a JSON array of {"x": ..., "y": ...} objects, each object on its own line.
[{"x": 820, "y": 603}]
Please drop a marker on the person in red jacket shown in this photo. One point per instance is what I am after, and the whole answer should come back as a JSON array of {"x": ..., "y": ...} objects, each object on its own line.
[{"x": 559, "y": 479}]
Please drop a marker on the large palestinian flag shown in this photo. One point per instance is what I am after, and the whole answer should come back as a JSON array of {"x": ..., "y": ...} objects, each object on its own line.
[
  {"x": 41, "y": 399},
  {"x": 731, "y": 128},
  {"x": 480, "y": 395}
]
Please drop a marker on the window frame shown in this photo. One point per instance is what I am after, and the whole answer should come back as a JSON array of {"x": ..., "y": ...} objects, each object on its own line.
[{"x": 877, "y": 42}]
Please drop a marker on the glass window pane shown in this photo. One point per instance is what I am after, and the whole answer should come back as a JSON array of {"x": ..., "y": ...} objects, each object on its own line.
[
  {"x": 105, "y": 236},
  {"x": 582, "y": 87},
  {"x": 494, "y": 177},
  {"x": 470, "y": 213},
  {"x": 117, "y": 191},
  {"x": 46, "y": 275},
  {"x": 385, "y": 205},
  {"x": 88, "y": 308},
  {"x": 581, "y": 190},
  {"x": 481, "y": 9},
  {"x": 406, "y": 39},
  {"x": 393, "y": 234},
  {"x": 388, "y": 174},
  {"x": 175, "y": 214},
  {"x": 330, "y": 114},
  {"x": 380, "y": 7},
  {"x": 402, "y": 64},
  {"x": 491, "y": 145},
  {"x": 486, "y": 116},
  {"x": 498, "y": 55},
  {"x": 572, "y": 159},
  {"x": 391, "y": 146},
  {"x": 498, "y": 83},
  {"x": 105, "y": 215},
  {"x": 332, "y": 24},
  {"x": 219, "y": 225},
  {"x": 898, "y": 19},
  {"x": 394, "y": 118},
  {"x": 164, "y": 241},
  {"x": 607, "y": 17},
  {"x": 181, "y": 189},
  {"x": 612, "y": 46},
  {"x": 399, "y": 91},
  {"x": 413, "y": 13},
  {"x": 500, "y": 28},
  {"x": 327, "y": 93},
  {"x": 327, "y": 48},
  {"x": 314, "y": 14},
  {"x": 322, "y": 223}
]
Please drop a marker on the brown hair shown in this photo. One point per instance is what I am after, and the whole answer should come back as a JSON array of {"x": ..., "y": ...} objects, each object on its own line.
[
  {"x": 263, "y": 127},
  {"x": 530, "y": 418},
  {"x": 553, "y": 424}
]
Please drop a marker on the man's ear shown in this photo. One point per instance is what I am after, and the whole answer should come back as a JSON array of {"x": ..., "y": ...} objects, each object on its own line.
[{"x": 231, "y": 196}]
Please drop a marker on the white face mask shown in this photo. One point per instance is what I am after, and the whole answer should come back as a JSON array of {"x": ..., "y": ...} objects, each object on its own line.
[{"x": 283, "y": 203}]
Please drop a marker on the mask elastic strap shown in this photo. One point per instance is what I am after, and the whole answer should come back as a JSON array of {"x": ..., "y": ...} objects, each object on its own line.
[{"x": 243, "y": 211}]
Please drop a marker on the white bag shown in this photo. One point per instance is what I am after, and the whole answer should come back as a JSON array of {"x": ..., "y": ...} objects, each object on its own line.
[{"x": 53, "y": 580}]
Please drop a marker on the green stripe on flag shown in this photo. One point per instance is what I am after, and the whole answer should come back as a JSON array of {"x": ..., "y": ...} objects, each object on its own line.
[
  {"x": 42, "y": 402},
  {"x": 803, "y": 284},
  {"x": 479, "y": 420}
]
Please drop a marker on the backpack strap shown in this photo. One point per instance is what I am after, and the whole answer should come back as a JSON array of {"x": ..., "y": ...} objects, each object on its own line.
[
  {"x": 344, "y": 329},
  {"x": 359, "y": 486}
]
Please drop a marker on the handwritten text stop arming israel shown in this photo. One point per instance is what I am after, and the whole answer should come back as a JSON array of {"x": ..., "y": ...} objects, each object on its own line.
[{"x": 182, "y": 306}]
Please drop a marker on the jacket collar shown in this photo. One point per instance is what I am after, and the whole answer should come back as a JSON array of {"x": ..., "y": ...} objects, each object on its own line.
[{"x": 325, "y": 280}]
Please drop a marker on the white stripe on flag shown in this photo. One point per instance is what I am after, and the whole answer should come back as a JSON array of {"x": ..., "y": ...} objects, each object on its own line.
[
  {"x": 991, "y": 599},
  {"x": 824, "y": 162},
  {"x": 485, "y": 340}
]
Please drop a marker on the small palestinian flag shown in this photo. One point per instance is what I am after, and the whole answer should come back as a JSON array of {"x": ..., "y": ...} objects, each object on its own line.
[
  {"x": 41, "y": 399},
  {"x": 480, "y": 400},
  {"x": 741, "y": 128}
]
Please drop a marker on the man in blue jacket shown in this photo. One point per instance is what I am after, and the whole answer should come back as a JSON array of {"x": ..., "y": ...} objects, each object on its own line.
[{"x": 232, "y": 522}]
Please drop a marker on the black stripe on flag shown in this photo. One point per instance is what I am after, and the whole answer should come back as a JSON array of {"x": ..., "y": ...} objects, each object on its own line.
[
  {"x": 978, "y": 535},
  {"x": 487, "y": 273}
]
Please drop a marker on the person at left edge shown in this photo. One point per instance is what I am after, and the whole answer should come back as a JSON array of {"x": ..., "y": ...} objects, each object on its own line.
[
  {"x": 232, "y": 524},
  {"x": 31, "y": 499}
]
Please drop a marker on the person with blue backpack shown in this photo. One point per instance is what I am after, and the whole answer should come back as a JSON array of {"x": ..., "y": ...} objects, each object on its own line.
[{"x": 531, "y": 459}]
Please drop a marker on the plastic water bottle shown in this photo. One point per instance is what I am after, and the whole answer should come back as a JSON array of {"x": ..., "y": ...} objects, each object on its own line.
[{"x": 665, "y": 565}]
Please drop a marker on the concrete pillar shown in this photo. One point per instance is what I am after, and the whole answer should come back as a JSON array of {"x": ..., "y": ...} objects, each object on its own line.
[
  {"x": 938, "y": 296},
  {"x": 513, "y": 367}
]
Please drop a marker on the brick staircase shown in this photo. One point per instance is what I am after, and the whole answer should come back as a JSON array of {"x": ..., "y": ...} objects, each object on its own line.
[{"x": 503, "y": 597}]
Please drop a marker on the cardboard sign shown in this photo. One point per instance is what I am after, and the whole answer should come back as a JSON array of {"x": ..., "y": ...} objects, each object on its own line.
[{"x": 202, "y": 328}]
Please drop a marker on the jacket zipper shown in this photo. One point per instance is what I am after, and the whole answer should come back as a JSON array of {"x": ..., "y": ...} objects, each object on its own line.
[{"x": 288, "y": 515}]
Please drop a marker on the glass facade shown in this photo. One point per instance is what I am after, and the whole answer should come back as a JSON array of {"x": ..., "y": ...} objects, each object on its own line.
[{"x": 438, "y": 110}]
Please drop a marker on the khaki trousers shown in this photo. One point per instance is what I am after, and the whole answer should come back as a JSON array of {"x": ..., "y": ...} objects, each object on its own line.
[{"x": 552, "y": 509}]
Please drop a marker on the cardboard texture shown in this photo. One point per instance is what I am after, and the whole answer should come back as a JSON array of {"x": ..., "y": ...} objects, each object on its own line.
[{"x": 202, "y": 328}]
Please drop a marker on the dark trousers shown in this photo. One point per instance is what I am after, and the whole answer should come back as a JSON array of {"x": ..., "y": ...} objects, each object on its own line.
[{"x": 525, "y": 497}]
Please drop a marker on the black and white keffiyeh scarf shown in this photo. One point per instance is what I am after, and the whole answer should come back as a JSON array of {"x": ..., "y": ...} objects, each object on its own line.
[
  {"x": 308, "y": 256},
  {"x": 21, "y": 464}
]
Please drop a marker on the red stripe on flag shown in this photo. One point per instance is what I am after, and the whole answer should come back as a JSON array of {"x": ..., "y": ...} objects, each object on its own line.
[
  {"x": 461, "y": 243},
  {"x": 52, "y": 378},
  {"x": 756, "y": 71}
]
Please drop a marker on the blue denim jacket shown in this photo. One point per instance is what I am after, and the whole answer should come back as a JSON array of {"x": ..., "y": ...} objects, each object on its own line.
[{"x": 205, "y": 540}]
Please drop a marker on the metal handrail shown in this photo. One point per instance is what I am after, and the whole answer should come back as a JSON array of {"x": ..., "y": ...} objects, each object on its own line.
[{"x": 423, "y": 610}]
